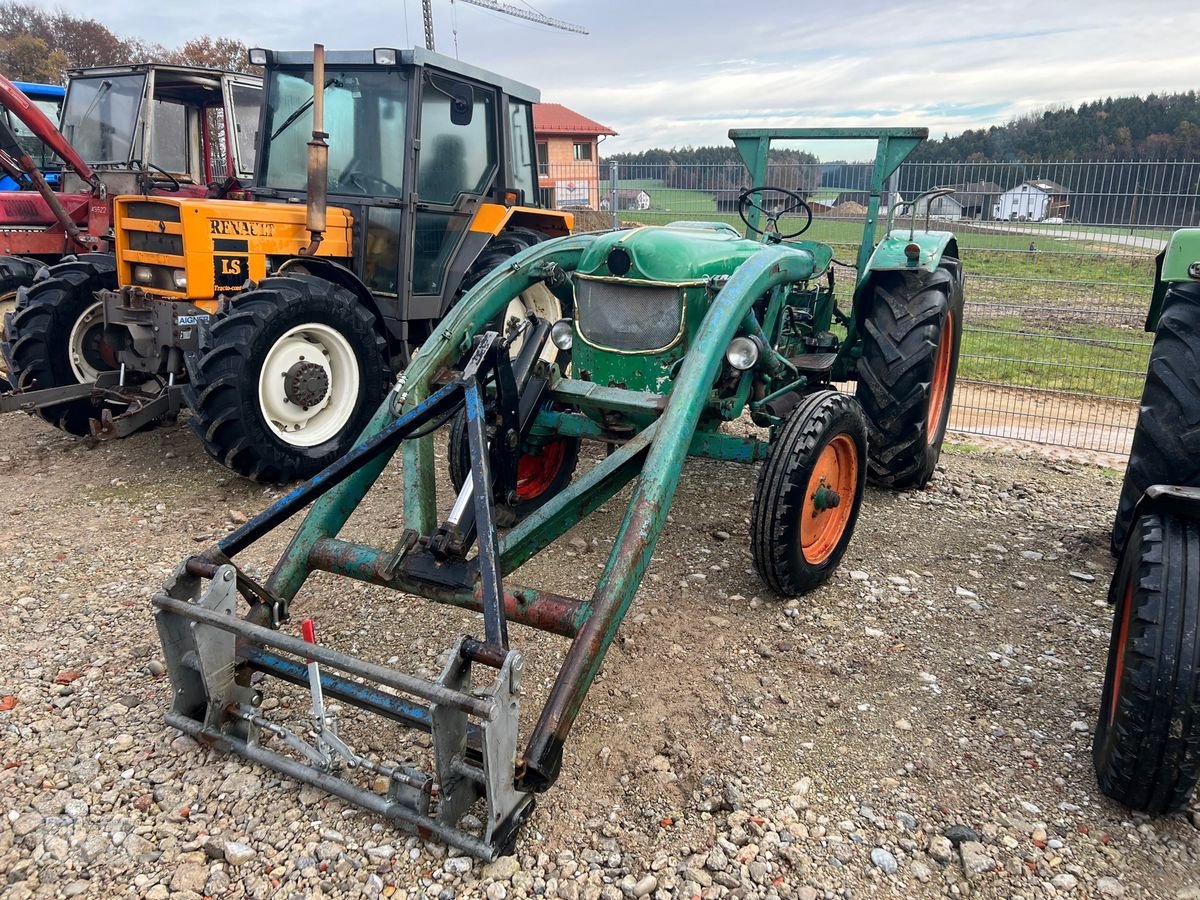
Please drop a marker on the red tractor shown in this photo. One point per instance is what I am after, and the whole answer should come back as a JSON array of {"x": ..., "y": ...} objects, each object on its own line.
[{"x": 137, "y": 129}]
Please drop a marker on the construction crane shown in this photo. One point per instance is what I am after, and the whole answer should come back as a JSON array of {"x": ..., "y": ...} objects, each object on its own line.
[{"x": 496, "y": 6}]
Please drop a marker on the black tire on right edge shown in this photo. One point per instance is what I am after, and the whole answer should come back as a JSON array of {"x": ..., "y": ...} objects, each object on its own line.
[
  {"x": 1166, "y": 441},
  {"x": 1147, "y": 741},
  {"x": 16, "y": 272},
  {"x": 903, "y": 330}
]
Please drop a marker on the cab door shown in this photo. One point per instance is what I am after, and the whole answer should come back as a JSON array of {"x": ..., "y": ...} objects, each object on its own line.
[{"x": 456, "y": 165}]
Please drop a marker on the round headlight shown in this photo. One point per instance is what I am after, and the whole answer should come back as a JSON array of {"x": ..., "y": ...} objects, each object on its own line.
[
  {"x": 742, "y": 353},
  {"x": 562, "y": 334},
  {"x": 143, "y": 275},
  {"x": 179, "y": 277}
]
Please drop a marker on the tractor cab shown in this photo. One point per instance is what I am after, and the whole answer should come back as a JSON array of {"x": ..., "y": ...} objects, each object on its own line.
[
  {"x": 175, "y": 127},
  {"x": 418, "y": 145}
]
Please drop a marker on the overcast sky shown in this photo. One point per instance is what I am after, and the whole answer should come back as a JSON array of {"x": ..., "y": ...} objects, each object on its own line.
[{"x": 669, "y": 73}]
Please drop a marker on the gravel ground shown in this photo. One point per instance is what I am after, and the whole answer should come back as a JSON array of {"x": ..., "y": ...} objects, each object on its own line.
[{"x": 919, "y": 727}]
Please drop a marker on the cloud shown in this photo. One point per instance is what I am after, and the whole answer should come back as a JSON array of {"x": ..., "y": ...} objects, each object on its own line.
[{"x": 674, "y": 72}]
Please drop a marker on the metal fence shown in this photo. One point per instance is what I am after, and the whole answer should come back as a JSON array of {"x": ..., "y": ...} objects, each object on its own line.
[{"x": 1059, "y": 260}]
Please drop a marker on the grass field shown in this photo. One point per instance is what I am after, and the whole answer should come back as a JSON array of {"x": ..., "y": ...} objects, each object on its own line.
[
  {"x": 665, "y": 199},
  {"x": 1065, "y": 316}
]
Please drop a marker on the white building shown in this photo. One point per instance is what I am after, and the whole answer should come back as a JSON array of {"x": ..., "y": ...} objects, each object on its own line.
[{"x": 1032, "y": 201}]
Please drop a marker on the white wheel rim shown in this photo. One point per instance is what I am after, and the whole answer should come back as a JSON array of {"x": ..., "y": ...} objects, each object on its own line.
[
  {"x": 541, "y": 301},
  {"x": 325, "y": 347},
  {"x": 83, "y": 370}
]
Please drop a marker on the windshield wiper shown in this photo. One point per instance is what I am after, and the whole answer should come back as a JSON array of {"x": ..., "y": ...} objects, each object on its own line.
[{"x": 301, "y": 110}]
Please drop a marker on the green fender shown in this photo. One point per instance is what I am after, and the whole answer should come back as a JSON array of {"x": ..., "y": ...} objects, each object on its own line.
[
  {"x": 1178, "y": 262},
  {"x": 889, "y": 255}
]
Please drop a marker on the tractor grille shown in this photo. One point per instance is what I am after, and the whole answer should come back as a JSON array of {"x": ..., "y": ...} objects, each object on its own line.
[{"x": 635, "y": 318}]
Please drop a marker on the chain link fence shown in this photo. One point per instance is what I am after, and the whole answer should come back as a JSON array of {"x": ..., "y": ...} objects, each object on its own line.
[{"x": 1059, "y": 260}]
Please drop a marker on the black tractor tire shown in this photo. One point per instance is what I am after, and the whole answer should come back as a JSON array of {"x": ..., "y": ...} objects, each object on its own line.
[
  {"x": 16, "y": 272},
  {"x": 37, "y": 340},
  {"x": 907, "y": 369},
  {"x": 223, "y": 392},
  {"x": 541, "y": 472},
  {"x": 499, "y": 249},
  {"x": 826, "y": 434},
  {"x": 1146, "y": 748},
  {"x": 1166, "y": 440}
]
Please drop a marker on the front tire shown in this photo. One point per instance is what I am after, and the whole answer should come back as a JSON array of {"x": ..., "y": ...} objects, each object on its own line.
[
  {"x": 56, "y": 338},
  {"x": 1166, "y": 441},
  {"x": 911, "y": 335},
  {"x": 1147, "y": 742},
  {"x": 293, "y": 372},
  {"x": 809, "y": 493}
]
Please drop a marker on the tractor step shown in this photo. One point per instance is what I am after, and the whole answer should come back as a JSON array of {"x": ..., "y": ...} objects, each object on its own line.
[
  {"x": 210, "y": 653},
  {"x": 814, "y": 362}
]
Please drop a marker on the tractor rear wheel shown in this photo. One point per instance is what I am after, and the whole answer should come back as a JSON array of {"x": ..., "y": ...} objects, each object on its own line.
[
  {"x": 1166, "y": 441},
  {"x": 809, "y": 492},
  {"x": 56, "y": 338},
  {"x": 293, "y": 371},
  {"x": 542, "y": 470},
  {"x": 16, "y": 272},
  {"x": 1147, "y": 742},
  {"x": 911, "y": 334}
]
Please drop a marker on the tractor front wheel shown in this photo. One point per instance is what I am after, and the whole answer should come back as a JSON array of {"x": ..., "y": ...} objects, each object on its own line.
[
  {"x": 56, "y": 338},
  {"x": 1166, "y": 440},
  {"x": 293, "y": 371},
  {"x": 911, "y": 333},
  {"x": 809, "y": 493},
  {"x": 1147, "y": 741}
]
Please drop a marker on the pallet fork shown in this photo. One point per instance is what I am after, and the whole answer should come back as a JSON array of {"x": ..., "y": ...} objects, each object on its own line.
[{"x": 212, "y": 653}]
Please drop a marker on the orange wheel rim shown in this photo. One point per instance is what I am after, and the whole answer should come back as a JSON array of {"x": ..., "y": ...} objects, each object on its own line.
[
  {"x": 829, "y": 499},
  {"x": 537, "y": 471},
  {"x": 1119, "y": 656},
  {"x": 941, "y": 375}
]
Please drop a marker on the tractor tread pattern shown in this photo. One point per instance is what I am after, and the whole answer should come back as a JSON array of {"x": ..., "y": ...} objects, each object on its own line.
[
  {"x": 779, "y": 493},
  {"x": 37, "y": 334},
  {"x": 229, "y": 425},
  {"x": 900, "y": 331},
  {"x": 1166, "y": 440},
  {"x": 1149, "y": 758}
]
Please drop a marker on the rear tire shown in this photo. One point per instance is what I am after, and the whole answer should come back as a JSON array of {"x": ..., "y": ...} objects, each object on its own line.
[
  {"x": 798, "y": 536},
  {"x": 332, "y": 363},
  {"x": 16, "y": 272},
  {"x": 1166, "y": 441},
  {"x": 54, "y": 339},
  {"x": 1147, "y": 742},
  {"x": 911, "y": 334}
]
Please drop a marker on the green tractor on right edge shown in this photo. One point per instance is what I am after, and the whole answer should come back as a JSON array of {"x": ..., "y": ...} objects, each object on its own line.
[{"x": 1147, "y": 740}]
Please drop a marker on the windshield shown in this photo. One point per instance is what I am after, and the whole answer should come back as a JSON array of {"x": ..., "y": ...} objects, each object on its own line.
[
  {"x": 364, "y": 116},
  {"x": 247, "y": 102},
  {"x": 30, "y": 143},
  {"x": 101, "y": 114}
]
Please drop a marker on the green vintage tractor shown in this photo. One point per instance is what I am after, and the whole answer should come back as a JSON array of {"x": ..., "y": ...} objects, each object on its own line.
[
  {"x": 669, "y": 334},
  {"x": 1147, "y": 740}
]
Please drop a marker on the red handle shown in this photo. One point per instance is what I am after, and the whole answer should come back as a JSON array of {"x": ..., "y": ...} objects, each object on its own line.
[{"x": 308, "y": 631}]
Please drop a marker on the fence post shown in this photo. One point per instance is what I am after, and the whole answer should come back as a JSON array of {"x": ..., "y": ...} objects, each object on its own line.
[{"x": 612, "y": 193}]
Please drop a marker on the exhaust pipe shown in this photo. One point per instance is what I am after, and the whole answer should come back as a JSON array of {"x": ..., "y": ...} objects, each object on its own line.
[{"x": 318, "y": 158}]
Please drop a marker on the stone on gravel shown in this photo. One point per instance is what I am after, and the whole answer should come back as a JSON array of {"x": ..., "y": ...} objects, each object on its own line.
[
  {"x": 237, "y": 853},
  {"x": 884, "y": 861},
  {"x": 502, "y": 869},
  {"x": 975, "y": 858},
  {"x": 1110, "y": 887},
  {"x": 959, "y": 833},
  {"x": 456, "y": 865},
  {"x": 645, "y": 885},
  {"x": 941, "y": 849},
  {"x": 190, "y": 877},
  {"x": 1065, "y": 881}
]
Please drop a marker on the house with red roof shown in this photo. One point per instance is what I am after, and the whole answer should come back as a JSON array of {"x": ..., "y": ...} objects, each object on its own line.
[{"x": 568, "y": 152}]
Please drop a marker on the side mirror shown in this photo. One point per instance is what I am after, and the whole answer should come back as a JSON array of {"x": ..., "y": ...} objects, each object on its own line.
[{"x": 462, "y": 104}]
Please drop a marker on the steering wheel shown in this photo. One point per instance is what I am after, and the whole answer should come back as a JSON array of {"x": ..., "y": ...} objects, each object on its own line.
[
  {"x": 366, "y": 183},
  {"x": 171, "y": 184},
  {"x": 788, "y": 203}
]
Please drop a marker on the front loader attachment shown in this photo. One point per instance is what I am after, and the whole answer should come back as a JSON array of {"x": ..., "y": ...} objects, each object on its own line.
[{"x": 223, "y": 631}]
